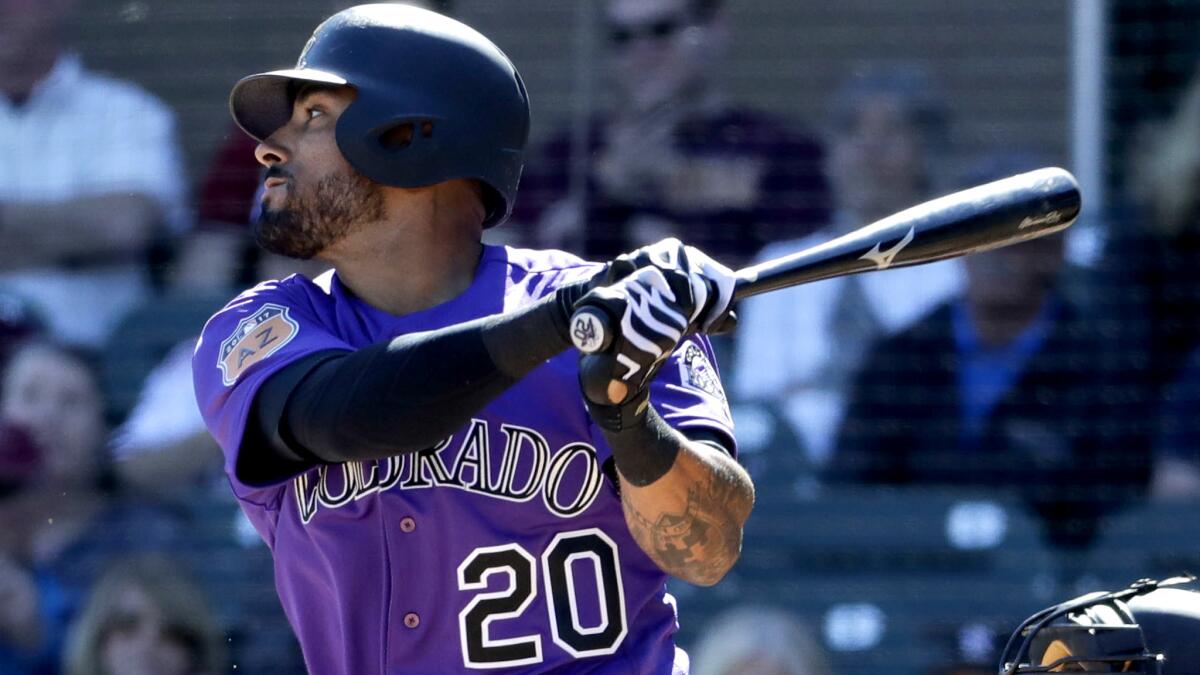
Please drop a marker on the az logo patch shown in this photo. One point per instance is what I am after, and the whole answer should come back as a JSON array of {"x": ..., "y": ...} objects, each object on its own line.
[{"x": 256, "y": 337}]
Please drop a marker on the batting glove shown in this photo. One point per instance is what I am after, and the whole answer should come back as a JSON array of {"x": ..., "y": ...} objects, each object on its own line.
[{"x": 712, "y": 283}]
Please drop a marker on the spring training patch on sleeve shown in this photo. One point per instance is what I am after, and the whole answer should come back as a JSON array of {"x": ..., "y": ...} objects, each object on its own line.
[{"x": 255, "y": 338}]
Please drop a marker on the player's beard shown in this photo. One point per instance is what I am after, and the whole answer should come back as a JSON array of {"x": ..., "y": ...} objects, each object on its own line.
[{"x": 310, "y": 222}]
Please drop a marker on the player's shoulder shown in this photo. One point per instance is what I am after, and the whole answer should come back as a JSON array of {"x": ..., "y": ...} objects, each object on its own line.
[
  {"x": 289, "y": 293},
  {"x": 293, "y": 288},
  {"x": 262, "y": 320},
  {"x": 549, "y": 266}
]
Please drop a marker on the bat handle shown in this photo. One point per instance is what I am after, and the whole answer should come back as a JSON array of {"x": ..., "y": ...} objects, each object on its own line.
[
  {"x": 591, "y": 329},
  {"x": 592, "y": 334}
]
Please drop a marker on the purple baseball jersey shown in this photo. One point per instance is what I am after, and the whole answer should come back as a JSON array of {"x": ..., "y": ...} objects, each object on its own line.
[{"x": 503, "y": 547}]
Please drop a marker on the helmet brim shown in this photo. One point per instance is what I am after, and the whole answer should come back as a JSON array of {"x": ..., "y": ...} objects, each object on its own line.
[{"x": 260, "y": 103}]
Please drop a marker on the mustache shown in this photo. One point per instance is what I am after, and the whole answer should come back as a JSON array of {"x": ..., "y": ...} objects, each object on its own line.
[{"x": 276, "y": 172}]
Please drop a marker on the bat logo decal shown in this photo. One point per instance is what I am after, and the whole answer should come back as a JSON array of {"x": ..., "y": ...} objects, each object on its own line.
[
  {"x": 586, "y": 332},
  {"x": 1049, "y": 219},
  {"x": 883, "y": 260}
]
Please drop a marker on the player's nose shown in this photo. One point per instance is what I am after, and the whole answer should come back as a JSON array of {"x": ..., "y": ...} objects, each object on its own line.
[{"x": 271, "y": 152}]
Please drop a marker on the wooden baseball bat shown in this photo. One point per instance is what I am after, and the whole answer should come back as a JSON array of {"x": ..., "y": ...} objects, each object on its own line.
[{"x": 988, "y": 216}]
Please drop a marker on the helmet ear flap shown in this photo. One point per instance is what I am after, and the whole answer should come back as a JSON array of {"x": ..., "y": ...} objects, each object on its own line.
[{"x": 495, "y": 206}]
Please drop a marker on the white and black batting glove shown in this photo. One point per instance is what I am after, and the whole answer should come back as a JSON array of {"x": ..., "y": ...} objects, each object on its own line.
[
  {"x": 655, "y": 307},
  {"x": 712, "y": 283}
]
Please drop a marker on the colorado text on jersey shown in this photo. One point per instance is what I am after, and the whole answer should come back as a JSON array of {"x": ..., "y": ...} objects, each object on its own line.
[{"x": 527, "y": 470}]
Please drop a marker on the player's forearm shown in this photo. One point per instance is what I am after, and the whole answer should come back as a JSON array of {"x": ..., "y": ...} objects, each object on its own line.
[
  {"x": 690, "y": 520},
  {"x": 44, "y": 232}
]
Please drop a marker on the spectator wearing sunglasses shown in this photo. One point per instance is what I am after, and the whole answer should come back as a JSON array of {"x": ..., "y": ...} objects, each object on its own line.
[
  {"x": 673, "y": 156},
  {"x": 144, "y": 617}
]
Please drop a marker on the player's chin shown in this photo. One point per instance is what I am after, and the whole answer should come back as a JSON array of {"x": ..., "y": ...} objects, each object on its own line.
[{"x": 281, "y": 233}]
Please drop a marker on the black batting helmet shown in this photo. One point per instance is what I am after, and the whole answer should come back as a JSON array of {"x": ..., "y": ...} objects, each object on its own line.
[
  {"x": 435, "y": 100},
  {"x": 1146, "y": 628}
]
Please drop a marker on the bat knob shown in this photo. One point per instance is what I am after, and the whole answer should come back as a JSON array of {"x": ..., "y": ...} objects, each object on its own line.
[{"x": 590, "y": 331}]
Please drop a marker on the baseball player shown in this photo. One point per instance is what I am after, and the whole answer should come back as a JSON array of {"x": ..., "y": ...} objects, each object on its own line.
[{"x": 408, "y": 432}]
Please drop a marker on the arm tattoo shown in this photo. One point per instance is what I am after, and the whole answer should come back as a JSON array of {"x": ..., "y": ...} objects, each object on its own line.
[{"x": 703, "y": 541}]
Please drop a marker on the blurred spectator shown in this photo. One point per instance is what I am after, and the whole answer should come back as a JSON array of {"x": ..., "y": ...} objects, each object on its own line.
[
  {"x": 91, "y": 176},
  {"x": 60, "y": 522},
  {"x": 1177, "y": 452},
  {"x": 20, "y": 459},
  {"x": 1015, "y": 384},
  {"x": 19, "y": 321},
  {"x": 674, "y": 157},
  {"x": 52, "y": 392},
  {"x": 51, "y": 398},
  {"x": 144, "y": 617},
  {"x": 797, "y": 348},
  {"x": 759, "y": 640},
  {"x": 163, "y": 447}
]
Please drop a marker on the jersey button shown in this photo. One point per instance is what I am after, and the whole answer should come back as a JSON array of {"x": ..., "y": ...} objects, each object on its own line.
[
  {"x": 407, "y": 524},
  {"x": 412, "y": 620}
]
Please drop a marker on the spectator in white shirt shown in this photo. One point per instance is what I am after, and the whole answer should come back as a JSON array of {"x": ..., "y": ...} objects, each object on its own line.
[
  {"x": 797, "y": 348},
  {"x": 91, "y": 174}
]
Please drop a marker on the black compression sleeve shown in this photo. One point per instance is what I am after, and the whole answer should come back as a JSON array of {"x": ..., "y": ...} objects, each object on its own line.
[
  {"x": 392, "y": 398},
  {"x": 645, "y": 452},
  {"x": 404, "y": 395}
]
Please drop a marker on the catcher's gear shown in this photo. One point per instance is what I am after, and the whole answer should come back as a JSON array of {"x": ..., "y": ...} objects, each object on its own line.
[{"x": 1146, "y": 628}]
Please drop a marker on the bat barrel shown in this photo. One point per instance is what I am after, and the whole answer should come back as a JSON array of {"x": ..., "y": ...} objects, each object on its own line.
[{"x": 1000, "y": 213}]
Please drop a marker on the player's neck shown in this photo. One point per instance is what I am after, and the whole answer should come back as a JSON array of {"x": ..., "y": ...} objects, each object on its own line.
[
  {"x": 401, "y": 271},
  {"x": 421, "y": 254}
]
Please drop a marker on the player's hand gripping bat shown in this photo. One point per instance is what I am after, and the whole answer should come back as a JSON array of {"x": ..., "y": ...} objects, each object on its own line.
[{"x": 1000, "y": 213}]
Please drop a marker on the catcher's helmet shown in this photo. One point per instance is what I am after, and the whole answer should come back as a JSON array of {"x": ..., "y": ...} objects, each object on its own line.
[
  {"x": 1146, "y": 628},
  {"x": 435, "y": 100}
]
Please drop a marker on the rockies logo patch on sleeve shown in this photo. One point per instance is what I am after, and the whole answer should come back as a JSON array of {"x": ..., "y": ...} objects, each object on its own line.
[
  {"x": 256, "y": 337},
  {"x": 697, "y": 373}
]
